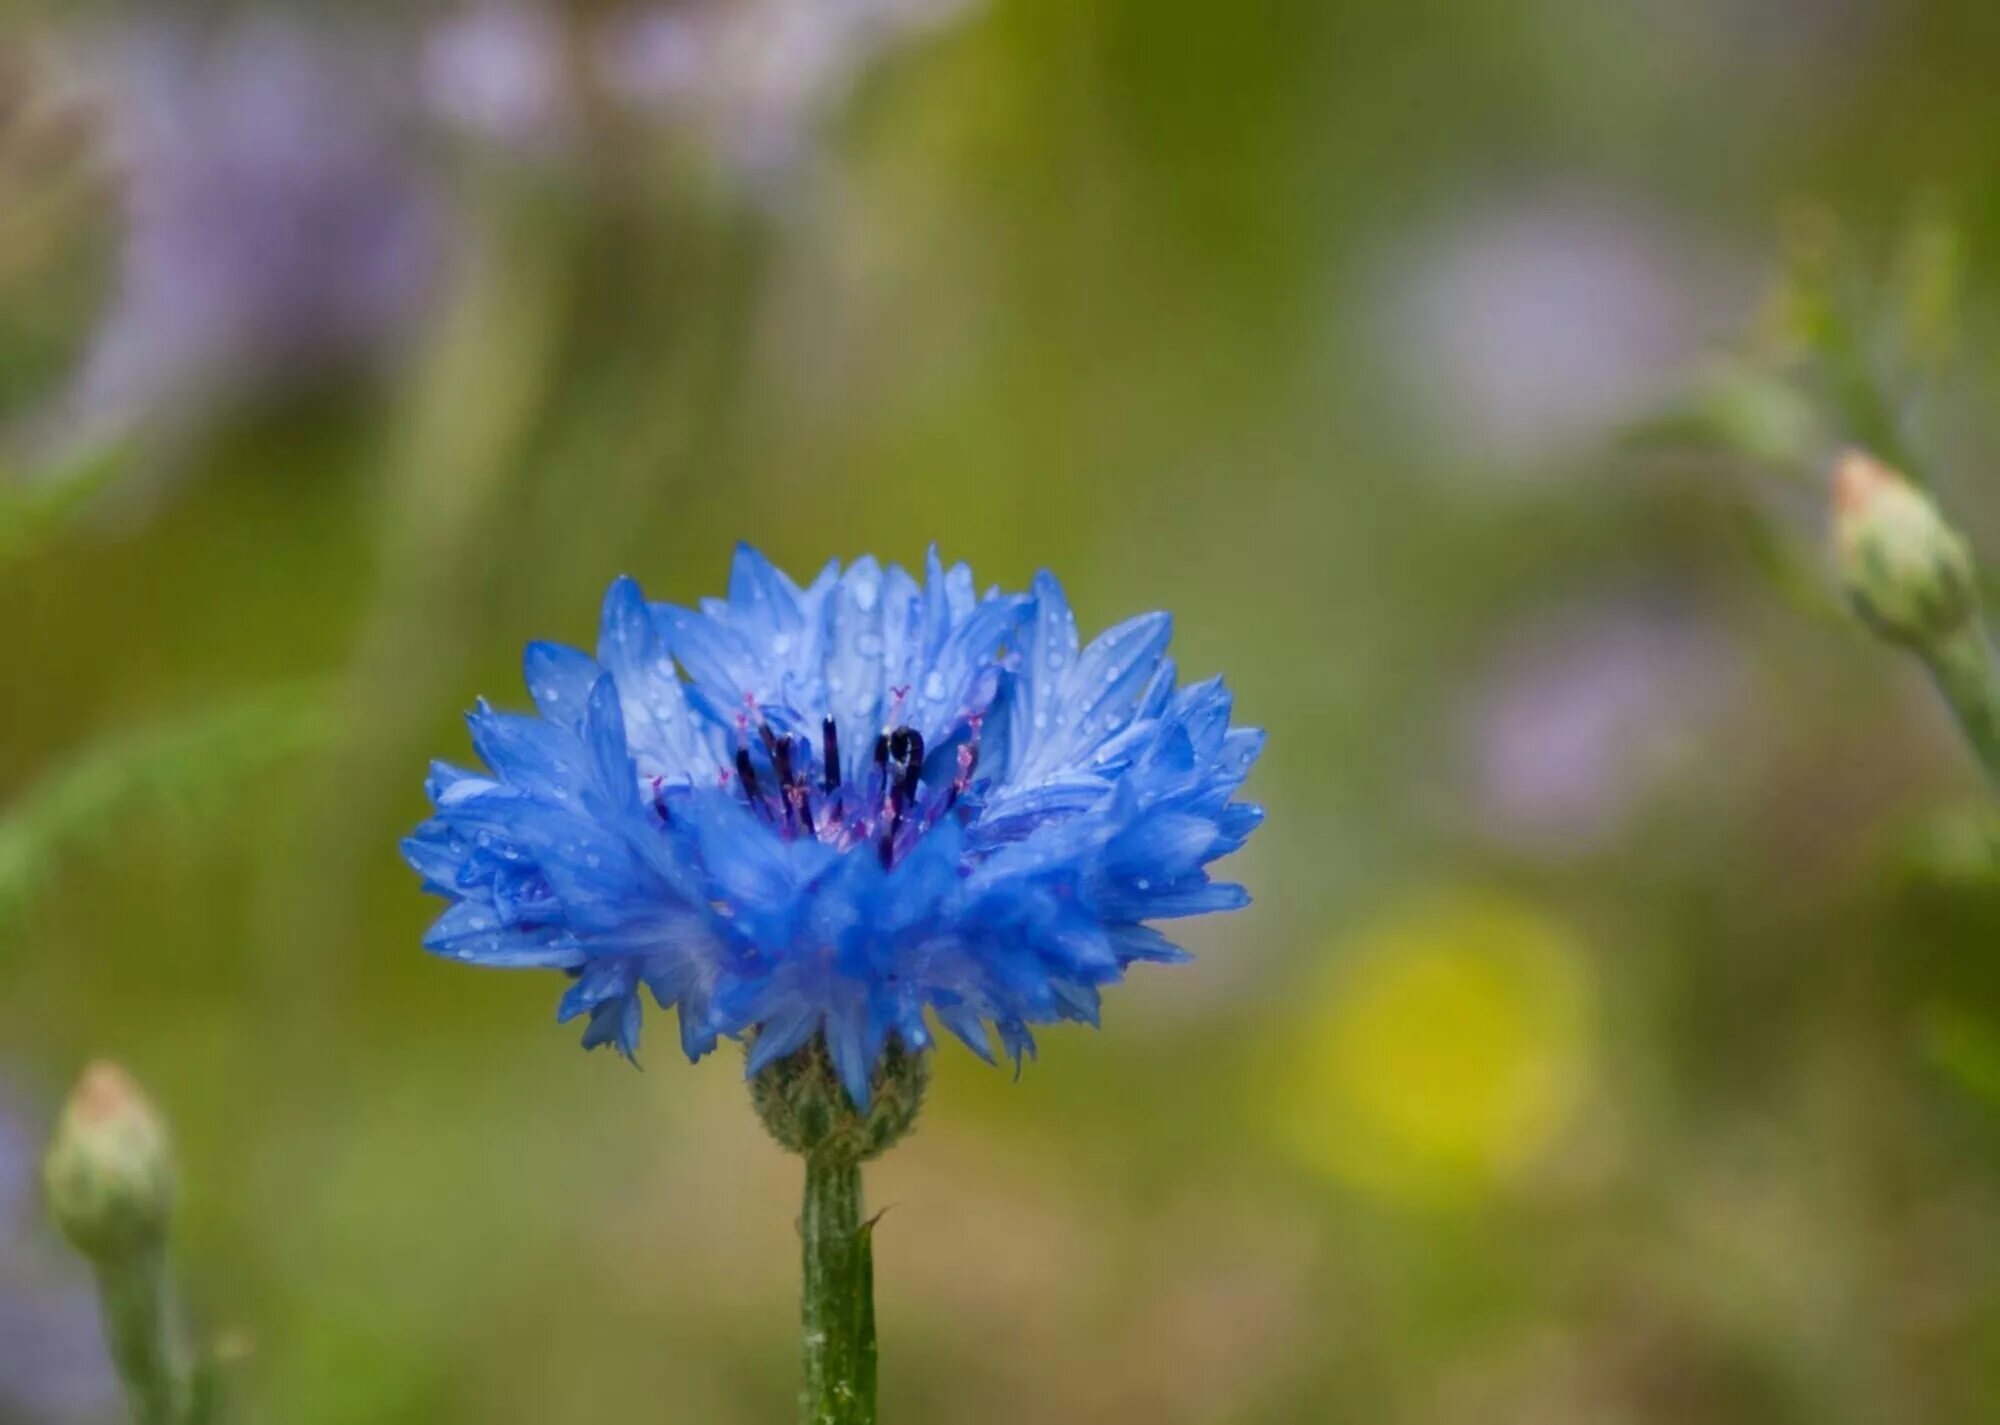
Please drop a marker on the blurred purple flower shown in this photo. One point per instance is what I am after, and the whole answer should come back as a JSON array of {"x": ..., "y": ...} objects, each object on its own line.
[
  {"x": 495, "y": 71},
  {"x": 52, "y": 1363},
  {"x": 755, "y": 77},
  {"x": 1584, "y": 715},
  {"x": 1518, "y": 335},
  {"x": 273, "y": 229}
]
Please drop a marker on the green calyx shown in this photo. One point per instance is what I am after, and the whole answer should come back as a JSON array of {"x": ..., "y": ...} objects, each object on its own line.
[{"x": 806, "y": 1109}]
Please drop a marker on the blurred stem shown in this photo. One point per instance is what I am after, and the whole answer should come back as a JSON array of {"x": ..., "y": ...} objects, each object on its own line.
[
  {"x": 1963, "y": 665},
  {"x": 133, "y": 1290},
  {"x": 837, "y": 1309}
]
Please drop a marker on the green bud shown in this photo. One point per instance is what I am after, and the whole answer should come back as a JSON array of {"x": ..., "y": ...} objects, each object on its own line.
[
  {"x": 1907, "y": 573},
  {"x": 802, "y": 1103},
  {"x": 109, "y": 1173}
]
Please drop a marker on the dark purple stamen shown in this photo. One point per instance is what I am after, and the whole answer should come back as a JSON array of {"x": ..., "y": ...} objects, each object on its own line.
[
  {"x": 747, "y": 775},
  {"x": 788, "y": 792},
  {"x": 906, "y": 747},
  {"x": 913, "y": 763},
  {"x": 799, "y": 792},
  {"x": 829, "y": 742}
]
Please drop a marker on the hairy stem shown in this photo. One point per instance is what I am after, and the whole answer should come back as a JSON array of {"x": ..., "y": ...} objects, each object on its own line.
[
  {"x": 1964, "y": 668},
  {"x": 837, "y": 1308},
  {"x": 133, "y": 1291}
]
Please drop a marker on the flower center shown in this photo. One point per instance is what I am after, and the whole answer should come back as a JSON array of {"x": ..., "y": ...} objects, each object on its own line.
[{"x": 891, "y": 805}]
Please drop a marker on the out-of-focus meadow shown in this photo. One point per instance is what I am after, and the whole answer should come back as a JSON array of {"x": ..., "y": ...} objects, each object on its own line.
[{"x": 1616, "y": 1033}]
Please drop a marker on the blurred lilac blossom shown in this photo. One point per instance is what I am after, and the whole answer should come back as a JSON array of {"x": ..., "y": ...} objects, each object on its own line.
[
  {"x": 274, "y": 230},
  {"x": 1519, "y": 335},
  {"x": 753, "y": 77},
  {"x": 52, "y": 1364},
  {"x": 1584, "y": 715}
]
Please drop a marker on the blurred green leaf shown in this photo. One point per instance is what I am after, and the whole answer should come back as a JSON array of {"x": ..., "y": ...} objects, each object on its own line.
[
  {"x": 166, "y": 769},
  {"x": 35, "y": 509},
  {"x": 1966, "y": 1047}
]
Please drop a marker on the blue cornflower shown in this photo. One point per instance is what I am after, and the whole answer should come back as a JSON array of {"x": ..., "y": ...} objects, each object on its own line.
[{"x": 855, "y": 804}]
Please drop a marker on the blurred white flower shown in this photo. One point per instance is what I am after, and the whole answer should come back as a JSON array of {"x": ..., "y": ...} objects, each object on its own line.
[
  {"x": 1584, "y": 715},
  {"x": 496, "y": 72},
  {"x": 1517, "y": 336}
]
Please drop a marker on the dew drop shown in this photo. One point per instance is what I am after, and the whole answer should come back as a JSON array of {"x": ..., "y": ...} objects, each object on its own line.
[
  {"x": 1111, "y": 674},
  {"x": 934, "y": 685},
  {"x": 869, "y": 645},
  {"x": 781, "y": 645},
  {"x": 552, "y": 693},
  {"x": 1143, "y": 883}
]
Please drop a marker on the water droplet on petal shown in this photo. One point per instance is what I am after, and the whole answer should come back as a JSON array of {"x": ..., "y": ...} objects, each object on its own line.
[{"x": 934, "y": 685}]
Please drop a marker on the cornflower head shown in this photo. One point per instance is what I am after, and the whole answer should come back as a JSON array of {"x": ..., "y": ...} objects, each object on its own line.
[{"x": 820, "y": 818}]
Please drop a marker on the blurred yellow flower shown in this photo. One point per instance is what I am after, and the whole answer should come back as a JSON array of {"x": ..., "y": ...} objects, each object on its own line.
[{"x": 1442, "y": 1051}]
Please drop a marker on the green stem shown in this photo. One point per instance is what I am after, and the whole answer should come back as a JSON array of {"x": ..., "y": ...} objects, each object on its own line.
[
  {"x": 837, "y": 1308},
  {"x": 1964, "y": 667},
  {"x": 133, "y": 1291}
]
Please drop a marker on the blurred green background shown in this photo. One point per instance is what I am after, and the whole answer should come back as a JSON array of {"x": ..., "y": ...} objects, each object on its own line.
[{"x": 1616, "y": 1034}]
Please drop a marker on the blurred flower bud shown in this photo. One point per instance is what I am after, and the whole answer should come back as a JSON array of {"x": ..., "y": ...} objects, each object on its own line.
[
  {"x": 109, "y": 1172},
  {"x": 1906, "y": 572}
]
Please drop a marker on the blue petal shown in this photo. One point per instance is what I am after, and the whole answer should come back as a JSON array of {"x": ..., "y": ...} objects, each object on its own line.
[
  {"x": 659, "y": 727},
  {"x": 759, "y": 591},
  {"x": 536, "y": 756},
  {"x": 559, "y": 679}
]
